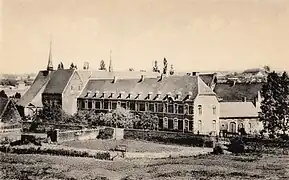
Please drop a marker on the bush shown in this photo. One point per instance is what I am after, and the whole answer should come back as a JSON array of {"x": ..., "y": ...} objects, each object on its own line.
[
  {"x": 106, "y": 133},
  {"x": 218, "y": 150},
  {"x": 236, "y": 146}
]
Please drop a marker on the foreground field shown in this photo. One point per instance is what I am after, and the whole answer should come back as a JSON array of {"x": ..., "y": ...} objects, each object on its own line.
[{"x": 14, "y": 166}]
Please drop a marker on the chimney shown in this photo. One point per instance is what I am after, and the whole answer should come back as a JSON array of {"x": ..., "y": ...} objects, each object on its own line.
[
  {"x": 161, "y": 78},
  {"x": 194, "y": 73},
  {"x": 244, "y": 99}
]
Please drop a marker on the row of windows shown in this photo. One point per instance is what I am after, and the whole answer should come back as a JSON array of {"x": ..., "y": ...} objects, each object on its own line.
[
  {"x": 176, "y": 124},
  {"x": 200, "y": 125},
  {"x": 139, "y": 106}
]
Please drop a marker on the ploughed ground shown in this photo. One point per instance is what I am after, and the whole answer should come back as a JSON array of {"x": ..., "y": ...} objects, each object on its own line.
[{"x": 13, "y": 166}]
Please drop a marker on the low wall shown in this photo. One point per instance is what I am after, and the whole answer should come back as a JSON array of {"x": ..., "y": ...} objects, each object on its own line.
[
  {"x": 73, "y": 135},
  {"x": 169, "y": 137}
]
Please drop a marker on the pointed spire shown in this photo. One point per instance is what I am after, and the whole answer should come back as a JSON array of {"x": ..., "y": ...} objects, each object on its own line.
[
  {"x": 110, "y": 69},
  {"x": 50, "y": 64}
]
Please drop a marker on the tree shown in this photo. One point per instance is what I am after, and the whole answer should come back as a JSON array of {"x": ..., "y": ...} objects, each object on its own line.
[
  {"x": 52, "y": 113},
  {"x": 146, "y": 121},
  {"x": 271, "y": 105},
  {"x": 267, "y": 68},
  {"x": 172, "y": 71},
  {"x": 72, "y": 66},
  {"x": 102, "y": 65},
  {"x": 156, "y": 68},
  {"x": 3, "y": 94},
  {"x": 60, "y": 66},
  {"x": 283, "y": 107},
  {"x": 165, "y": 66},
  {"x": 17, "y": 95},
  {"x": 120, "y": 118}
]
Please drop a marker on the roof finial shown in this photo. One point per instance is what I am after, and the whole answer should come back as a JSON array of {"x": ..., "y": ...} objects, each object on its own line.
[
  {"x": 110, "y": 69},
  {"x": 50, "y": 64}
]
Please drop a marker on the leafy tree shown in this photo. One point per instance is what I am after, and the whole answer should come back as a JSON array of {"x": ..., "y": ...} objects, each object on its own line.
[
  {"x": 120, "y": 118},
  {"x": 283, "y": 106},
  {"x": 102, "y": 65},
  {"x": 60, "y": 66},
  {"x": 165, "y": 66},
  {"x": 52, "y": 113},
  {"x": 17, "y": 95},
  {"x": 156, "y": 67},
  {"x": 3, "y": 94},
  {"x": 267, "y": 68},
  {"x": 270, "y": 106},
  {"x": 146, "y": 121}
]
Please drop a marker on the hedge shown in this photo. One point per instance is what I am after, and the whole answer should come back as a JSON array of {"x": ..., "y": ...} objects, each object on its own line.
[{"x": 54, "y": 151}]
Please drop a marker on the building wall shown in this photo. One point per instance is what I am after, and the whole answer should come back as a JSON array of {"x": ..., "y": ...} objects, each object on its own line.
[
  {"x": 251, "y": 125},
  {"x": 206, "y": 121},
  {"x": 69, "y": 97}
]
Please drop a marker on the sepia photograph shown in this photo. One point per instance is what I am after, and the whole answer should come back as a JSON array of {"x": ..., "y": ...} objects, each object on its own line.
[{"x": 144, "y": 89}]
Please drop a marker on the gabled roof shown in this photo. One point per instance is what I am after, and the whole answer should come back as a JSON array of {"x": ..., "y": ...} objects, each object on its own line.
[
  {"x": 208, "y": 78},
  {"x": 237, "y": 110},
  {"x": 172, "y": 85},
  {"x": 123, "y": 74},
  {"x": 3, "y": 104},
  {"x": 231, "y": 93},
  {"x": 40, "y": 81},
  {"x": 58, "y": 81}
]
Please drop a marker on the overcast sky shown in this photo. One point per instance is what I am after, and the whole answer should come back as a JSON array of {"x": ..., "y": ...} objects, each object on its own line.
[{"x": 191, "y": 34}]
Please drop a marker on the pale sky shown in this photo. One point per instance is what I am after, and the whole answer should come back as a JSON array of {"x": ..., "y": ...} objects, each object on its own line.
[{"x": 192, "y": 34}]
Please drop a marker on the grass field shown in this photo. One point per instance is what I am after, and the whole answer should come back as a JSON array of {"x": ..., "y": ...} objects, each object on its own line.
[
  {"x": 14, "y": 166},
  {"x": 132, "y": 145}
]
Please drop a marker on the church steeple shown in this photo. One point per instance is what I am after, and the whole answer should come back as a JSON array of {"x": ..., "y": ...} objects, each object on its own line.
[
  {"x": 110, "y": 69},
  {"x": 50, "y": 64}
]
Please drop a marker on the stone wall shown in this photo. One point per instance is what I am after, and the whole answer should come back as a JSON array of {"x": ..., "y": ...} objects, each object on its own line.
[{"x": 73, "y": 135}]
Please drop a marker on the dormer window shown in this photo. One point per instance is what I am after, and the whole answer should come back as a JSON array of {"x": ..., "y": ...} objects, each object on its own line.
[
  {"x": 120, "y": 95},
  {"x": 95, "y": 94},
  {"x": 149, "y": 95},
  {"x": 103, "y": 95},
  {"x": 88, "y": 93},
  {"x": 189, "y": 96},
  {"x": 129, "y": 95},
  {"x": 158, "y": 95},
  {"x": 138, "y": 95},
  {"x": 111, "y": 95},
  {"x": 167, "y": 95},
  {"x": 178, "y": 96}
]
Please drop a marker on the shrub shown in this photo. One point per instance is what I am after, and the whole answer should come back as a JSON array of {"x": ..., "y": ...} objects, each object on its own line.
[
  {"x": 106, "y": 133},
  {"x": 218, "y": 150},
  {"x": 236, "y": 146}
]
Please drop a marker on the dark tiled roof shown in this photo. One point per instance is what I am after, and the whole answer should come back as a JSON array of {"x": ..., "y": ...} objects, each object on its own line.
[
  {"x": 207, "y": 78},
  {"x": 58, "y": 81},
  {"x": 153, "y": 86},
  {"x": 3, "y": 104},
  {"x": 229, "y": 93},
  {"x": 237, "y": 110},
  {"x": 36, "y": 88}
]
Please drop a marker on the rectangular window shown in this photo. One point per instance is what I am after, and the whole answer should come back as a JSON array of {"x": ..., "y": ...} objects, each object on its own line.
[
  {"x": 89, "y": 104},
  {"x": 132, "y": 106},
  {"x": 181, "y": 109},
  {"x": 180, "y": 125},
  {"x": 152, "y": 107},
  {"x": 170, "y": 108},
  {"x": 200, "y": 109},
  {"x": 160, "y": 107},
  {"x": 161, "y": 123},
  {"x": 214, "y": 110},
  {"x": 191, "y": 109},
  {"x": 113, "y": 105},
  {"x": 190, "y": 125},
  {"x": 82, "y": 105},
  {"x": 170, "y": 124},
  {"x": 97, "y": 105},
  {"x": 123, "y": 105},
  {"x": 105, "y": 105},
  {"x": 142, "y": 107}
]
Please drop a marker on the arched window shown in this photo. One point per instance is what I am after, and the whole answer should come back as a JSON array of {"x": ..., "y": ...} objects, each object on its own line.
[
  {"x": 214, "y": 110},
  {"x": 232, "y": 127},
  {"x": 200, "y": 125},
  {"x": 214, "y": 125},
  {"x": 200, "y": 109}
]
